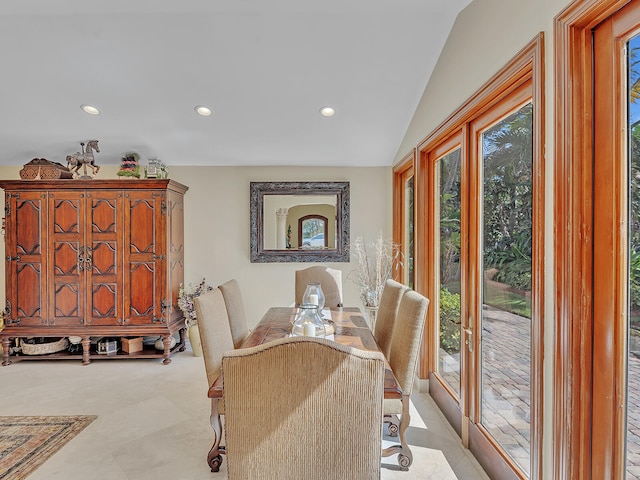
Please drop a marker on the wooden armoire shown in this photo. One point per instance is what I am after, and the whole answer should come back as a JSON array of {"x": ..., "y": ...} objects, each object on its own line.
[{"x": 92, "y": 259}]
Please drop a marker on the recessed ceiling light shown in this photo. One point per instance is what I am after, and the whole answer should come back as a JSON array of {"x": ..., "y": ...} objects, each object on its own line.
[
  {"x": 327, "y": 112},
  {"x": 202, "y": 110},
  {"x": 90, "y": 109}
]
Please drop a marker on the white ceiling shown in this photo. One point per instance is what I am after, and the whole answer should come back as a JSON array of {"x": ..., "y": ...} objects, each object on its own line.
[{"x": 264, "y": 66}]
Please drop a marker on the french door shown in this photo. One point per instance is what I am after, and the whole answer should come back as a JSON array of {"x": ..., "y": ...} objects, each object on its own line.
[{"x": 483, "y": 274}]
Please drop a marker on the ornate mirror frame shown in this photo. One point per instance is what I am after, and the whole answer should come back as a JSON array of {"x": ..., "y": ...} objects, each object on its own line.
[{"x": 258, "y": 190}]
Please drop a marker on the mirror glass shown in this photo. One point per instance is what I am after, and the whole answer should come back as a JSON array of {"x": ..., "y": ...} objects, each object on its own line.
[{"x": 299, "y": 221}]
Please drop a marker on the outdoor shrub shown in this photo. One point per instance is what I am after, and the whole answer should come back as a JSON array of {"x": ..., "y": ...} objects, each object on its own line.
[{"x": 449, "y": 321}]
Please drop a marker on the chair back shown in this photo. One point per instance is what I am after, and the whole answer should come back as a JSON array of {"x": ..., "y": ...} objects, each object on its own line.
[
  {"x": 235, "y": 310},
  {"x": 387, "y": 312},
  {"x": 215, "y": 334},
  {"x": 330, "y": 281},
  {"x": 406, "y": 338},
  {"x": 303, "y": 408}
]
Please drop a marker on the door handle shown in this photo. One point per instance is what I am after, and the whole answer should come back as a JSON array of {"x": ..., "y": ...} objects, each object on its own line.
[{"x": 469, "y": 340}]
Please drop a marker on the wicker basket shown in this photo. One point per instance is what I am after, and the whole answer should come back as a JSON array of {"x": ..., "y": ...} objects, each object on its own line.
[
  {"x": 41, "y": 168},
  {"x": 44, "y": 348}
]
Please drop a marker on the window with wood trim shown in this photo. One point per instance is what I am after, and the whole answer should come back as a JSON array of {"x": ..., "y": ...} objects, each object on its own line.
[
  {"x": 404, "y": 218},
  {"x": 479, "y": 233}
]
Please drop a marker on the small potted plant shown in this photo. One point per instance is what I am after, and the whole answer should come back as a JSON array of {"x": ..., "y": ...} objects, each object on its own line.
[
  {"x": 129, "y": 166},
  {"x": 186, "y": 295}
]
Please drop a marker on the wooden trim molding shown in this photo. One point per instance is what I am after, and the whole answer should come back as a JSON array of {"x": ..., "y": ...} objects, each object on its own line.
[
  {"x": 573, "y": 239},
  {"x": 401, "y": 172}
]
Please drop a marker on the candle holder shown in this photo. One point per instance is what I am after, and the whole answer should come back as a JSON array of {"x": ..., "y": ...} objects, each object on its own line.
[
  {"x": 308, "y": 323},
  {"x": 314, "y": 295}
]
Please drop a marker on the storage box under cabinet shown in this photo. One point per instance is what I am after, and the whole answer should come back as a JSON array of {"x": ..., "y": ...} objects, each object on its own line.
[
  {"x": 132, "y": 345},
  {"x": 108, "y": 347}
]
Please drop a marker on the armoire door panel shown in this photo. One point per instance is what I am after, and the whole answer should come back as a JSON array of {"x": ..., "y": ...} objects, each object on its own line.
[
  {"x": 144, "y": 257},
  {"x": 67, "y": 304},
  {"x": 28, "y": 228},
  {"x": 104, "y": 303},
  {"x": 67, "y": 214},
  {"x": 141, "y": 216},
  {"x": 104, "y": 213},
  {"x": 24, "y": 269},
  {"x": 142, "y": 295},
  {"x": 65, "y": 258},
  {"x": 103, "y": 258},
  {"x": 28, "y": 279}
]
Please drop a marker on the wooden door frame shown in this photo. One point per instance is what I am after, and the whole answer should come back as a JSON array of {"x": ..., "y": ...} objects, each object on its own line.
[
  {"x": 526, "y": 65},
  {"x": 573, "y": 239},
  {"x": 403, "y": 170}
]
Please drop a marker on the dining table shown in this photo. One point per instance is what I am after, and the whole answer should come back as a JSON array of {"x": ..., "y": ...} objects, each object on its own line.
[{"x": 349, "y": 328}]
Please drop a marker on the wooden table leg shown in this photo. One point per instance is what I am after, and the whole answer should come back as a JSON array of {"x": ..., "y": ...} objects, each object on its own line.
[
  {"x": 214, "y": 458},
  {"x": 405, "y": 457}
]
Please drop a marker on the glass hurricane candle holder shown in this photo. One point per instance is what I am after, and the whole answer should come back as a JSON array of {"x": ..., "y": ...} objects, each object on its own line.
[
  {"x": 313, "y": 295},
  {"x": 308, "y": 323}
]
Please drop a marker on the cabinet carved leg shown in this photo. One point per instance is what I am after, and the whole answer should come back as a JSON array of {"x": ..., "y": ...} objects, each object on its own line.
[
  {"x": 6, "y": 341},
  {"x": 166, "y": 340},
  {"x": 86, "y": 349}
]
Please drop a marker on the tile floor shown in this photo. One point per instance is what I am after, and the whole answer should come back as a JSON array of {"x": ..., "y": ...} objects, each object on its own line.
[{"x": 153, "y": 422}]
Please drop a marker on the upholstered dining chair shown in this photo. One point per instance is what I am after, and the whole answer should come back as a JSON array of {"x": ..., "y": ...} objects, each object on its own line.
[
  {"x": 403, "y": 359},
  {"x": 387, "y": 311},
  {"x": 215, "y": 335},
  {"x": 235, "y": 310},
  {"x": 330, "y": 281},
  {"x": 303, "y": 407}
]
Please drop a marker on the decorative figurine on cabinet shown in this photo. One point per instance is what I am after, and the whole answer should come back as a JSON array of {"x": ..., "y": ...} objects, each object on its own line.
[
  {"x": 129, "y": 166},
  {"x": 82, "y": 159}
]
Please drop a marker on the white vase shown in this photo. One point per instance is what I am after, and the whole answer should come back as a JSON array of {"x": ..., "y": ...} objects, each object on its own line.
[{"x": 194, "y": 340}]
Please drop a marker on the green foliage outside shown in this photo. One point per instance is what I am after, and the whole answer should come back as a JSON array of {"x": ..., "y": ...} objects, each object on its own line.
[
  {"x": 449, "y": 321},
  {"x": 507, "y": 213},
  {"x": 508, "y": 198},
  {"x": 634, "y": 227}
]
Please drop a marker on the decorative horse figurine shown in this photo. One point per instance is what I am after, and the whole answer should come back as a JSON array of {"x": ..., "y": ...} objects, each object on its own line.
[{"x": 77, "y": 160}]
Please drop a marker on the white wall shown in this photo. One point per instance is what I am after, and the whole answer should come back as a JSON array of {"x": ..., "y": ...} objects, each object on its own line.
[
  {"x": 485, "y": 36},
  {"x": 217, "y": 226}
]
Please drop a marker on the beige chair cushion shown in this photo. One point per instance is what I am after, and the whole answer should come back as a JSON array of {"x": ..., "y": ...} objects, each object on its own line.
[
  {"x": 330, "y": 281},
  {"x": 215, "y": 333},
  {"x": 387, "y": 311},
  {"x": 303, "y": 408},
  {"x": 236, "y": 312},
  {"x": 406, "y": 339}
]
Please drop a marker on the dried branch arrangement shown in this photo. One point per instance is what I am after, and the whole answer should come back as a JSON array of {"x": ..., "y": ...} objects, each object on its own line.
[{"x": 376, "y": 263}]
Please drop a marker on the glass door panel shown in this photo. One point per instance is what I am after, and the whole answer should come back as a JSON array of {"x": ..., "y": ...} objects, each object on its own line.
[
  {"x": 505, "y": 325},
  {"x": 449, "y": 311},
  {"x": 408, "y": 242}
]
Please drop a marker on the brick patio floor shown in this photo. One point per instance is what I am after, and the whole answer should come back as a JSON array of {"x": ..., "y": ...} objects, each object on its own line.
[
  {"x": 506, "y": 382},
  {"x": 633, "y": 419},
  {"x": 506, "y": 358}
]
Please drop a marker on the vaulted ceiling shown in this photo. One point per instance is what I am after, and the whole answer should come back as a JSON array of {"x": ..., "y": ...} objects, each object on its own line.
[{"x": 265, "y": 68}]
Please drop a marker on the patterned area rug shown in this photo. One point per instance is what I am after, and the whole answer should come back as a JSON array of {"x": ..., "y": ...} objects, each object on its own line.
[{"x": 27, "y": 442}]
